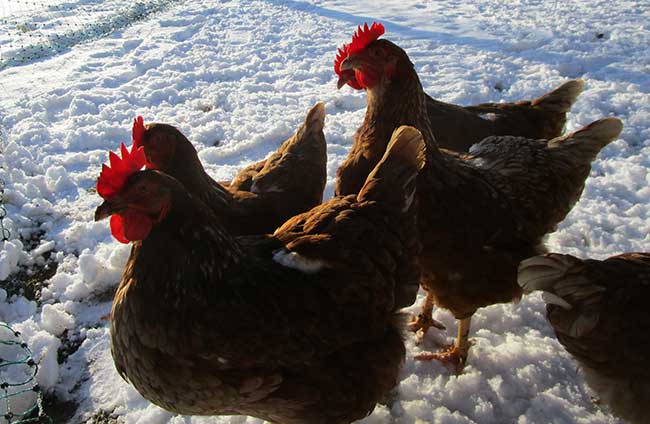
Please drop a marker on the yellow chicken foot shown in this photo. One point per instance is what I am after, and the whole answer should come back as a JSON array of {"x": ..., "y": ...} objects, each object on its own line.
[
  {"x": 457, "y": 354},
  {"x": 424, "y": 320}
]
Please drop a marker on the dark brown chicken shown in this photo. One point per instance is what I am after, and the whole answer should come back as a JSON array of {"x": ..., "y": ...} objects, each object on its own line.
[
  {"x": 261, "y": 197},
  {"x": 479, "y": 214},
  {"x": 459, "y": 127},
  {"x": 599, "y": 311},
  {"x": 301, "y": 326}
]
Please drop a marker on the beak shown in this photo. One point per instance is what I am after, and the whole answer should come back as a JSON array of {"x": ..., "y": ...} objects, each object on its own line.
[
  {"x": 344, "y": 78},
  {"x": 106, "y": 209}
]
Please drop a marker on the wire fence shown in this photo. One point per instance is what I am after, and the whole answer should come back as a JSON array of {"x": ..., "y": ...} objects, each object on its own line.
[
  {"x": 31, "y": 30},
  {"x": 5, "y": 234},
  {"x": 21, "y": 398}
]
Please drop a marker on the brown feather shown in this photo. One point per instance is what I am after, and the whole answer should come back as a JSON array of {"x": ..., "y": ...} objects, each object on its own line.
[
  {"x": 205, "y": 323},
  {"x": 459, "y": 127},
  {"x": 263, "y": 195},
  {"x": 481, "y": 213},
  {"x": 599, "y": 312}
]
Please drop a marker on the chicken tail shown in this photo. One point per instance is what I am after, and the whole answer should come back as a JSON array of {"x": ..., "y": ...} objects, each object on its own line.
[
  {"x": 314, "y": 121},
  {"x": 573, "y": 301},
  {"x": 393, "y": 179},
  {"x": 588, "y": 141},
  {"x": 299, "y": 165},
  {"x": 561, "y": 99}
]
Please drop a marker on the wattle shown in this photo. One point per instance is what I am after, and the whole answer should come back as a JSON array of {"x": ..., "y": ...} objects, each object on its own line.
[{"x": 130, "y": 226}]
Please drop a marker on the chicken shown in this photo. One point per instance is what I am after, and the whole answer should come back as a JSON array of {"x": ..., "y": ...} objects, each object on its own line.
[
  {"x": 479, "y": 214},
  {"x": 599, "y": 311},
  {"x": 263, "y": 196},
  {"x": 459, "y": 127},
  {"x": 301, "y": 326}
]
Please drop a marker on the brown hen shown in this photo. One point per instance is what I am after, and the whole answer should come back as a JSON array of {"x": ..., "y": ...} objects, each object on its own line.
[
  {"x": 599, "y": 311},
  {"x": 262, "y": 196},
  {"x": 479, "y": 214},
  {"x": 459, "y": 127},
  {"x": 301, "y": 326}
]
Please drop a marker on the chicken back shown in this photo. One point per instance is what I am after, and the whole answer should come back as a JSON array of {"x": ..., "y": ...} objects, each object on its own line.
[{"x": 599, "y": 311}]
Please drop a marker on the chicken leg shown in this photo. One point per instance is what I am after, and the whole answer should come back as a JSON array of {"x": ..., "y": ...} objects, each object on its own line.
[
  {"x": 424, "y": 320},
  {"x": 456, "y": 354}
]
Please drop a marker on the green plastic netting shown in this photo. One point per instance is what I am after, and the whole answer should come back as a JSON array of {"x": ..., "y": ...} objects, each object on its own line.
[
  {"x": 31, "y": 30},
  {"x": 21, "y": 399}
]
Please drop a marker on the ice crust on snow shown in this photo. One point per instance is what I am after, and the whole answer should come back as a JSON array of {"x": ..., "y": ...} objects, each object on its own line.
[{"x": 237, "y": 78}]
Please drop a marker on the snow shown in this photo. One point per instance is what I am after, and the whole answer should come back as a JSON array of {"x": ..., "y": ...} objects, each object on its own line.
[
  {"x": 9, "y": 257},
  {"x": 237, "y": 77}
]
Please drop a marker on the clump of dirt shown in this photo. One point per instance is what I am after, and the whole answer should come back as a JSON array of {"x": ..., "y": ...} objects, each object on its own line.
[{"x": 28, "y": 281}]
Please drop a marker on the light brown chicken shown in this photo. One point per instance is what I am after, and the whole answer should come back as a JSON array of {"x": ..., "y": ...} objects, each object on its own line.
[
  {"x": 479, "y": 214},
  {"x": 301, "y": 326},
  {"x": 599, "y": 311},
  {"x": 459, "y": 127},
  {"x": 262, "y": 196}
]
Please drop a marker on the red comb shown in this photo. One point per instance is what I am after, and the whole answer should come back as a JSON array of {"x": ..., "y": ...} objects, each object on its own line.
[
  {"x": 138, "y": 131},
  {"x": 364, "y": 36},
  {"x": 112, "y": 178},
  {"x": 361, "y": 38},
  {"x": 341, "y": 54}
]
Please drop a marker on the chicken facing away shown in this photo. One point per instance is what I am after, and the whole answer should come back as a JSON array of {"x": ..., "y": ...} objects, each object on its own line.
[
  {"x": 599, "y": 311},
  {"x": 261, "y": 197},
  {"x": 301, "y": 326},
  {"x": 459, "y": 127},
  {"x": 479, "y": 214}
]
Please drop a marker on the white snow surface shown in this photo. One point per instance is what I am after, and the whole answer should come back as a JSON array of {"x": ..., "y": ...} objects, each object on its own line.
[{"x": 237, "y": 77}]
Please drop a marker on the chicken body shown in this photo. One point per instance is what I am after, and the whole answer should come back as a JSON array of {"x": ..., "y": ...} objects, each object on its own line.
[
  {"x": 599, "y": 312},
  {"x": 481, "y": 213},
  {"x": 262, "y": 196},
  {"x": 459, "y": 127},
  {"x": 301, "y": 326}
]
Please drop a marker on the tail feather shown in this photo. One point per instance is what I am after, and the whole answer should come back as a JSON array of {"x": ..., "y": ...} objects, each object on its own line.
[
  {"x": 560, "y": 278},
  {"x": 311, "y": 127},
  {"x": 561, "y": 99},
  {"x": 315, "y": 119},
  {"x": 300, "y": 159},
  {"x": 393, "y": 179},
  {"x": 591, "y": 139}
]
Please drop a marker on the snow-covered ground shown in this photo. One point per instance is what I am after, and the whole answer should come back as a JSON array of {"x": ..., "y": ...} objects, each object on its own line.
[{"x": 237, "y": 77}]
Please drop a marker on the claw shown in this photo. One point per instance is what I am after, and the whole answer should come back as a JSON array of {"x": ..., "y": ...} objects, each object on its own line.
[
  {"x": 457, "y": 354},
  {"x": 422, "y": 322},
  {"x": 454, "y": 356}
]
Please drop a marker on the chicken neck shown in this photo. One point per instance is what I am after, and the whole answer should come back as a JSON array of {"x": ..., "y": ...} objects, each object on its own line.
[{"x": 188, "y": 249}]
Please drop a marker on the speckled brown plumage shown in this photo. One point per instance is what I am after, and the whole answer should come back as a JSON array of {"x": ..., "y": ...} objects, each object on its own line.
[
  {"x": 481, "y": 213},
  {"x": 263, "y": 195},
  {"x": 298, "y": 327},
  {"x": 599, "y": 311}
]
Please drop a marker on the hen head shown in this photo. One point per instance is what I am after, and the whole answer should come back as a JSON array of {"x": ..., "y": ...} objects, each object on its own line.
[
  {"x": 162, "y": 143},
  {"x": 367, "y": 61},
  {"x": 135, "y": 200}
]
